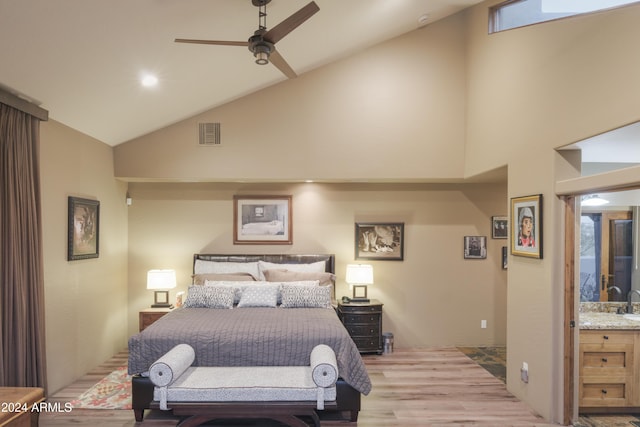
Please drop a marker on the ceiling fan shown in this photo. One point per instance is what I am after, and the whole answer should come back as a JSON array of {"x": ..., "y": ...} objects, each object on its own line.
[{"x": 262, "y": 42}]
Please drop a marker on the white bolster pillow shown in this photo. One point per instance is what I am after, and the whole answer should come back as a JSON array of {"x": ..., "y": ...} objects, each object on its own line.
[
  {"x": 324, "y": 368},
  {"x": 173, "y": 364}
]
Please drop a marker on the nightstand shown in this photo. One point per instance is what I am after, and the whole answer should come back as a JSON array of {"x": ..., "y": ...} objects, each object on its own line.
[
  {"x": 150, "y": 315},
  {"x": 363, "y": 321}
]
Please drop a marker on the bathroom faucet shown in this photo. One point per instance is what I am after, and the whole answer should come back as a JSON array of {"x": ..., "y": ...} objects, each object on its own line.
[{"x": 629, "y": 298}]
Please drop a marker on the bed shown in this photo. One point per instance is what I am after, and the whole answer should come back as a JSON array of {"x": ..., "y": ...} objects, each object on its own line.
[{"x": 248, "y": 333}]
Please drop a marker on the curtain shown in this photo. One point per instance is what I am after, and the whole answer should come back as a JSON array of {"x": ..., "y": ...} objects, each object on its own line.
[{"x": 22, "y": 331}]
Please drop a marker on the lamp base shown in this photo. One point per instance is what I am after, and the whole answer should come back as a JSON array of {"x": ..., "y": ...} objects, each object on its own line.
[
  {"x": 161, "y": 300},
  {"x": 162, "y": 305},
  {"x": 360, "y": 293}
]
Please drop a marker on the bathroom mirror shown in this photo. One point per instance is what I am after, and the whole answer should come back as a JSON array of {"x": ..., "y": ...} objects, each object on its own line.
[{"x": 608, "y": 247}]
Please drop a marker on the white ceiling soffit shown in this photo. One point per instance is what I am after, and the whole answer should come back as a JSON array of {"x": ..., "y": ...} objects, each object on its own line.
[{"x": 620, "y": 145}]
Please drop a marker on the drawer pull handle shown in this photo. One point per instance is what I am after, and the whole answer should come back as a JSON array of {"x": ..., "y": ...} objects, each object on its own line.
[
  {"x": 604, "y": 359},
  {"x": 606, "y": 337},
  {"x": 604, "y": 391}
]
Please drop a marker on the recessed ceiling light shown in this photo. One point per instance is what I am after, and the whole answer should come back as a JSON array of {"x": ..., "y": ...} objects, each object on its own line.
[
  {"x": 149, "y": 80},
  {"x": 593, "y": 200}
]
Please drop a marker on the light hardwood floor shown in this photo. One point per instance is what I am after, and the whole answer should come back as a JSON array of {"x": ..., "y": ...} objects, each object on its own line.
[{"x": 411, "y": 388}]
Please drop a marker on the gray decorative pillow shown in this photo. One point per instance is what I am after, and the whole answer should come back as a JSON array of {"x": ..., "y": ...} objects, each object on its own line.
[
  {"x": 259, "y": 296},
  {"x": 305, "y": 296},
  {"x": 209, "y": 297}
]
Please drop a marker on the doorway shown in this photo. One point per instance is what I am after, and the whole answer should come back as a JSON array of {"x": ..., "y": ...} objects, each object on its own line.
[{"x": 606, "y": 251}]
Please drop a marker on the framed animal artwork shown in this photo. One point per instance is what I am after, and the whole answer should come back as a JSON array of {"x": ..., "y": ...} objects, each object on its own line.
[{"x": 382, "y": 241}]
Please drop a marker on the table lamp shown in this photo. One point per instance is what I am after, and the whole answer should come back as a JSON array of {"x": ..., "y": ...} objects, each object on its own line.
[
  {"x": 158, "y": 281},
  {"x": 358, "y": 277}
]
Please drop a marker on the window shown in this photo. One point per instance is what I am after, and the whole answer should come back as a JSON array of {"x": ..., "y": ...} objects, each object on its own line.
[{"x": 519, "y": 13}]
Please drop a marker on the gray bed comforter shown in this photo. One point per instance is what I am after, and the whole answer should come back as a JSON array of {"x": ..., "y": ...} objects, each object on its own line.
[{"x": 250, "y": 337}]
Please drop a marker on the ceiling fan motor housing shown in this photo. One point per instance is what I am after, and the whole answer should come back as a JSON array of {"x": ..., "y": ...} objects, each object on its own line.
[{"x": 260, "y": 48}]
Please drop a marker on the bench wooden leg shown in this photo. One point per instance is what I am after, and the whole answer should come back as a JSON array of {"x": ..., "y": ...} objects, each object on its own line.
[{"x": 139, "y": 414}]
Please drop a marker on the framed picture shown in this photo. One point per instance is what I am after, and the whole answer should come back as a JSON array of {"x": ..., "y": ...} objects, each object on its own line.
[
  {"x": 262, "y": 220},
  {"x": 526, "y": 229},
  {"x": 499, "y": 227},
  {"x": 382, "y": 241},
  {"x": 504, "y": 257},
  {"x": 83, "y": 229},
  {"x": 475, "y": 247}
]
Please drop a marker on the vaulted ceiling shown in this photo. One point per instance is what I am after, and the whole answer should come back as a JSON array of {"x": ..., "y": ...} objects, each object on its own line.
[{"x": 82, "y": 60}]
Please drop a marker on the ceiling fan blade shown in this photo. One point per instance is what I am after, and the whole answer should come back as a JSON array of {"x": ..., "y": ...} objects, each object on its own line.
[
  {"x": 291, "y": 23},
  {"x": 216, "y": 42},
  {"x": 276, "y": 59}
]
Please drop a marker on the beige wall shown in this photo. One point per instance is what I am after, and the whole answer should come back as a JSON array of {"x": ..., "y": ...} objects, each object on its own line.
[
  {"x": 531, "y": 90},
  {"x": 85, "y": 301},
  {"x": 433, "y": 297},
  {"x": 394, "y": 112}
]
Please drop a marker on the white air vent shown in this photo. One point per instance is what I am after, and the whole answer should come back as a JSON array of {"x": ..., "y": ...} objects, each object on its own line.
[{"x": 209, "y": 134}]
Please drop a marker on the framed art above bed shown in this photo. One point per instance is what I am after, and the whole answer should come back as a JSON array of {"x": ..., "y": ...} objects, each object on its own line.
[{"x": 262, "y": 220}]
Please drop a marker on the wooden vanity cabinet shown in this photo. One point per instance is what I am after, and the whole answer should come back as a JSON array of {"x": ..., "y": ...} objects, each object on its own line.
[{"x": 609, "y": 362}]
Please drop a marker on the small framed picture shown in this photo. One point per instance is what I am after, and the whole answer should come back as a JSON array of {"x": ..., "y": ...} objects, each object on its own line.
[
  {"x": 262, "y": 220},
  {"x": 499, "y": 227},
  {"x": 83, "y": 229},
  {"x": 380, "y": 241},
  {"x": 475, "y": 247},
  {"x": 526, "y": 229}
]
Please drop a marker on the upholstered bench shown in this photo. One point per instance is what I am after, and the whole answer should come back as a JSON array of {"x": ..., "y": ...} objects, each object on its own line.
[{"x": 282, "y": 393}]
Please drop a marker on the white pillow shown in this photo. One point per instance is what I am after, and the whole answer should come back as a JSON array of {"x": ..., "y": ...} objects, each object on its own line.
[
  {"x": 316, "y": 267},
  {"x": 221, "y": 267},
  {"x": 259, "y": 296}
]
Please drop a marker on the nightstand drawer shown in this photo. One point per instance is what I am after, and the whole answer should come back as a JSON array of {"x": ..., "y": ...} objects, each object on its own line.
[
  {"x": 361, "y": 308},
  {"x": 361, "y": 318},
  {"x": 363, "y": 330},
  {"x": 367, "y": 343}
]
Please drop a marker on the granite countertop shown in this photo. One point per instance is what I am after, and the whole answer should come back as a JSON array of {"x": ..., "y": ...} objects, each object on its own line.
[{"x": 598, "y": 320}]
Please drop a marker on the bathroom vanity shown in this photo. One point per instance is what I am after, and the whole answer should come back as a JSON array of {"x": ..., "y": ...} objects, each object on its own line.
[{"x": 609, "y": 362}]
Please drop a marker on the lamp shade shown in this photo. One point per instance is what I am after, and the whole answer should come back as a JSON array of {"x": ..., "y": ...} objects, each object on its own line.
[
  {"x": 161, "y": 279},
  {"x": 361, "y": 274}
]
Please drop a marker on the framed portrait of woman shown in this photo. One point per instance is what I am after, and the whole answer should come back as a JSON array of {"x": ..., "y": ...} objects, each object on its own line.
[{"x": 526, "y": 232}]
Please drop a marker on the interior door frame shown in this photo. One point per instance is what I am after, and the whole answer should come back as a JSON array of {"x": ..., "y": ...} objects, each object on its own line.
[{"x": 570, "y": 323}]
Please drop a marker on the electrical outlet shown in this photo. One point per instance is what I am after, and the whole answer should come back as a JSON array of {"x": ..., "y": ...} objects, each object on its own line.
[
  {"x": 483, "y": 324},
  {"x": 524, "y": 372}
]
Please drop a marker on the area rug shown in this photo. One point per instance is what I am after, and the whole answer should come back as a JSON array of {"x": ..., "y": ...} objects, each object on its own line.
[{"x": 112, "y": 392}]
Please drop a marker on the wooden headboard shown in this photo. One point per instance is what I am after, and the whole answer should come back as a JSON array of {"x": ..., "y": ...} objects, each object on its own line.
[{"x": 329, "y": 259}]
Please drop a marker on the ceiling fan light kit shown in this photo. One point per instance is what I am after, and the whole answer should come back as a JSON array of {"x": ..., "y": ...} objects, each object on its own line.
[
  {"x": 262, "y": 42},
  {"x": 261, "y": 49}
]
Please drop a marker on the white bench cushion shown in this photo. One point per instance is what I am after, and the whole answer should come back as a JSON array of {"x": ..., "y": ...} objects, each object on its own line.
[{"x": 242, "y": 384}]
